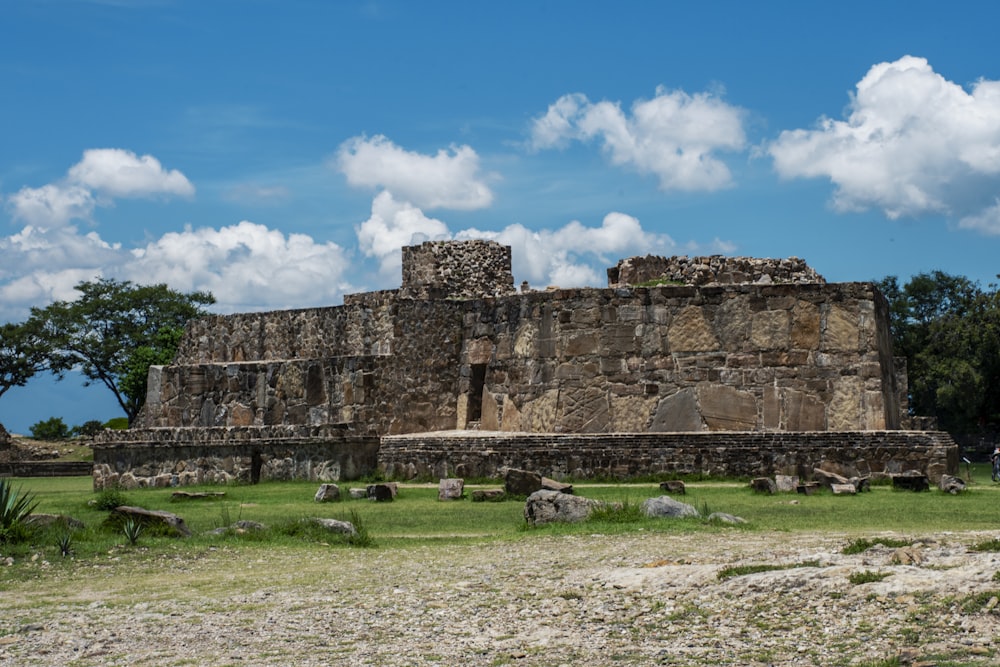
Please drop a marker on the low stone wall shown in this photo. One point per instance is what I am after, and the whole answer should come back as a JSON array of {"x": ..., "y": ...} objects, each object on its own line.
[
  {"x": 711, "y": 270},
  {"x": 161, "y": 457},
  {"x": 625, "y": 455}
]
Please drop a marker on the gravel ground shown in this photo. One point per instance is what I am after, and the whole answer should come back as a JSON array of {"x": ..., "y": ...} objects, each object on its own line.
[{"x": 578, "y": 600}]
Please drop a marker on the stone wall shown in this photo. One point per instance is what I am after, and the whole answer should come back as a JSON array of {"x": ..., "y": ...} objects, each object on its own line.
[
  {"x": 712, "y": 270},
  {"x": 164, "y": 457},
  {"x": 456, "y": 270},
  {"x": 669, "y": 358},
  {"x": 625, "y": 455}
]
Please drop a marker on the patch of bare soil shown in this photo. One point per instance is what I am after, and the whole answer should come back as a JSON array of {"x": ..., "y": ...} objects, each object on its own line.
[{"x": 572, "y": 600}]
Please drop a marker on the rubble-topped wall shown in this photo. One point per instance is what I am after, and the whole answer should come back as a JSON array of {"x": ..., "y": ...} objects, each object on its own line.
[
  {"x": 712, "y": 270},
  {"x": 456, "y": 270}
]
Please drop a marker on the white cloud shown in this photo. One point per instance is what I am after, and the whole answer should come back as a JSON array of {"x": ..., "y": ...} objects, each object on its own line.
[
  {"x": 245, "y": 266},
  {"x": 674, "y": 136},
  {"x": 101, "y": 175},
  {"x": 574, "y": 255},
  {"x": 392, "y": 225},
  {"x": 121, "y": 173},
  {"x": 51, "y": 205},
  {"x": 986, "y": 221},
  {"x": 449, "y": 179},
  {"x": 912, "y": 143}
]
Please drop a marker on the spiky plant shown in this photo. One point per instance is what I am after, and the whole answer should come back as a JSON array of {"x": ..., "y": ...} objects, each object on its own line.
[
  {"x": 132, "y": 529},
  {"x": 14, "y": 509}
]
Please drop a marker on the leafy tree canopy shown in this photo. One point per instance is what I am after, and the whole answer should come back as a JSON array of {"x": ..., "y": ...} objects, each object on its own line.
[
  {"x": 23, "y": 354},
  {"x": 948, "y": 328},
  {"x": 114, "y": 331}
]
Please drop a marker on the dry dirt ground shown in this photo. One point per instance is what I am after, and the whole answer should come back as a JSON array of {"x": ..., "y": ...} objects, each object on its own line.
[{"x": 571, "y": 600}]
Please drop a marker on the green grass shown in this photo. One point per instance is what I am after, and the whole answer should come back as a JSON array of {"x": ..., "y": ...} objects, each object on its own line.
[
  {"x": 867, "y": 577},
  {"x": 416, "y": 517},
  {"x": 754, "y": 568}
]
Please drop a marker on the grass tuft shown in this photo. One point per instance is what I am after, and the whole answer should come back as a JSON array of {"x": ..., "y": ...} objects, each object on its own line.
[
  {"x": 867, "y": 577},
  {"x": 861, "y": 545},
  {"x": 742, "y": 570}
]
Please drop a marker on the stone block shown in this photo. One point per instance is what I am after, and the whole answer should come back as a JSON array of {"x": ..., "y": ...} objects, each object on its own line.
[
  {"x": 727, "y": 409},
  {"x": 451, "y": 489}
]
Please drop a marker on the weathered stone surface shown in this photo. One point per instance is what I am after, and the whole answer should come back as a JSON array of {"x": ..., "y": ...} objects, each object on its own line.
[
  {"x": 807, "y": 489},
  {"x": 951, "y": 484},
  {"x": 171, "y": 521},
  {"x": 827, "y": 478},
  {"x": 911, "y": 555},
  {"x": 519, "y": 482},
  {"x": 327, "y": 493},
  {"x": 713, "y": 270},
  {"x": 911, "y": 481},
  {"x": 488, "y": 495},
  {"x": 727, "y": 409},
  {"x": 786, "y": 483},
  {"x": 5, "y": 438},
  {"x": 674, "y": 486},
  {"x": 843, "y": 489},
  {"x": 385, "y": 492},
  {"x": 554, "y": 485},
  {"x": 690, "y": 332},
  {"x": 358, "y": 493},
  {"x": 201, "y": 495},
  {"x": 451, "y": 489},
  {"x": 723, "y": 517},
  {"x": 665, "y": 506},
  {"x": 335, "y": 525},
  {"x": 763, "y": 485},
  {"x": 862, "y": 484},
  {"x": 678, "y": 412},
  {"x": 546, "y": 506}
]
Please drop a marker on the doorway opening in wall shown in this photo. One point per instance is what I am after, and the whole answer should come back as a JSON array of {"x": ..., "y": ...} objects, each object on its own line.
[
  {"x": 477, "y": 380},
  {"x": 256, "y": 463}
]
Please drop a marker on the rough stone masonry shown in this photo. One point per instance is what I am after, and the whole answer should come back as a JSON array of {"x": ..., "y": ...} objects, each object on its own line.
[{"x": 711, "y": 346}]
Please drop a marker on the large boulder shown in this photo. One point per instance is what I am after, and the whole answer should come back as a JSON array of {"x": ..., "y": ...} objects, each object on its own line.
[
  {"x": 327, "y": 493},
  {"x": 173, "y": 523},
  {"x": 335, "y": 525},
  {"x": 521, "y": 482},
  {"x": 951, "y": 484},
  {"x": 665, "y": 506},
  {"x": 546, "y": 506},
  {"x": 451, "y": 489}
]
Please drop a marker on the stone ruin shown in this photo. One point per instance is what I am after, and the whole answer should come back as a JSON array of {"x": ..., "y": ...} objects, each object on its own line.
[{"x": 709, "y": 364}]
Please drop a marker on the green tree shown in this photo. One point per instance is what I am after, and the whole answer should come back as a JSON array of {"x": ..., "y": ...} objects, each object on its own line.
[
  {"x": 108, "y": 331},
  {"x": 948, "y": 328},
  {"x": 23, "y": 354}
]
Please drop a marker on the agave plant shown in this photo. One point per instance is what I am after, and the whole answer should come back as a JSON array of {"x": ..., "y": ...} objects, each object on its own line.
[
  {"x": 14, "y": 509},
  {"x": 132, "y": 529}
]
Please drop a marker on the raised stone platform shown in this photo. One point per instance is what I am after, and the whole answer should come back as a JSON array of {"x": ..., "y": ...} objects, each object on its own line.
[{"x": 625, "y": 455}]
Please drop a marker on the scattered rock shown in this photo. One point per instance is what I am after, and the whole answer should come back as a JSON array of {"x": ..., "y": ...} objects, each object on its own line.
[
  {"x": 807, "y": 489},
  {"x": 335, "y": 526},
  {"x": 951, "y": 484},
  {"x": 843, "y": 489},
  {"x": 786, "y": 483},
  {"x": 451, "y": 489},
  {"x": 827, "y": 478},
  {"x": 327, "y": 493},
  {"x": 488, "y": 495},
  {"x": 722, "y": 517},
  {"x": 240, "y": 527},
  {"x": 544, "y": 506},
  {"x": 862, "y": 484},
  {"x": 358, "y": 494},
  {"x": 910, "y": 555},
  {"x": 674, "y": 486},
  {"x": 665, "y": 506},
  {"x": 172, "y": 522},
  {"x": 384, "y": 492},
  {"x": 911, "y": 480},
  {"x": 553, "y": 485},
  {"x": 187, "y": 495},
  {"x": 521, "y": 482},
  {"x": 763, "y": 485}
]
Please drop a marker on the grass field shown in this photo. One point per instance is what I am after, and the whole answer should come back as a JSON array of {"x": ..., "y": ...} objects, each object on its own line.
[{"x": 417, "y": 517}]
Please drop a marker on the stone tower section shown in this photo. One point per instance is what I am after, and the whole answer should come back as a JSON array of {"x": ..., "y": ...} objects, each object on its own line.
[{"x": 457, "y": 270}]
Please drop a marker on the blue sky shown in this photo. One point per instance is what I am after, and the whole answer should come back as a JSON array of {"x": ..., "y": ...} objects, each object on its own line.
[{"x": 279, "y": 153}]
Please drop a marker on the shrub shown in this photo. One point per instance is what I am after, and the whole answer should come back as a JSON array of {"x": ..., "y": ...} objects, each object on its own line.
[
  {"x": 117, "y": 424},
  {"x": 14, "y": 509},
  {"x": 108, "y": 499},
  {"x": 53, "y": 428},
  {"x": 867, "y": 577},
  {"x": 89, "y": 428}
]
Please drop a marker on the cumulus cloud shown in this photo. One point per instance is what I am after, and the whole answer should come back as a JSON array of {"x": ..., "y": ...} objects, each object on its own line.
[
  {"x": 674, "y": 136},
  {"x": 392, "y": 225},
  {"x": 574, "y": 255},
  {"x": 246, "y": 266},
  {"x": 449, "y": 179},
  {"x": 121, "y": 173},
  {"x": 912, "y": 143},
  {"x": 101, "y": 175}
]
